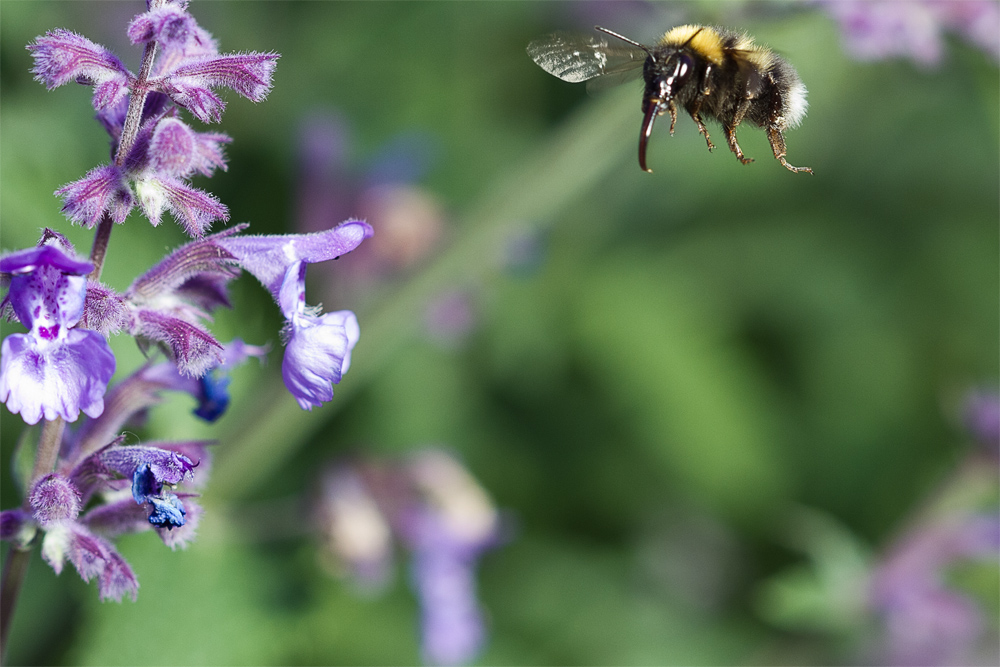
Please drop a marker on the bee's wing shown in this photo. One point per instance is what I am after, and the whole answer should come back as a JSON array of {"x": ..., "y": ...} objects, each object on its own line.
[{"x": 577, "y": 58}]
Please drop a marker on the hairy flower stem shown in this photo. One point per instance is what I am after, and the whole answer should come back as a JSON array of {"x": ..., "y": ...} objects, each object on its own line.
[
  {"x": 130, "y": 131},
  {"x": 48, "y": 448}
]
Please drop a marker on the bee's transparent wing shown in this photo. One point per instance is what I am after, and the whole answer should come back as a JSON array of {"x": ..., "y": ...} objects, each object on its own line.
[{"x": 577, "y": 58}]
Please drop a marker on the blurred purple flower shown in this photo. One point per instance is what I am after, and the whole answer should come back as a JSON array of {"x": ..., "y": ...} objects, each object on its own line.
[
  {"x": 926, "y": 622},
  {"x": 357, "y": 536},
  {"x": 880, "y": 29},
  {"x": 982, "y": 419},
  {"x": 448, "y": 530},
  {"x": 444, "y": 518},
  {"x": 450, "y": 317},
  {"x": 54, "y": 370}
]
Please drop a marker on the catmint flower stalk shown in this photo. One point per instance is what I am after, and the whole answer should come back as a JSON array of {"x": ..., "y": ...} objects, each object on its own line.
[{"x": 133, "y": 116}]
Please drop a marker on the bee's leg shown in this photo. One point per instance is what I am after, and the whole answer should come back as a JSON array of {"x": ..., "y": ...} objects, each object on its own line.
[
  {"x": 673, "y": 116},
  {"x": 704, "y": 89},
  {"x": 777, "y": 140},
  {"x": 733, "y": 146},
  {"x": 730, "y": 130}
]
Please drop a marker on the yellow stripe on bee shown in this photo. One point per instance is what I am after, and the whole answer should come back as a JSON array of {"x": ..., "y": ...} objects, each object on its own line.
[{"x": 703, "y": 40}]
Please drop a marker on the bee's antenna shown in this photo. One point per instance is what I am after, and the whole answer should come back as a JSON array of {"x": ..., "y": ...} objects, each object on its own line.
[
  {"x": 623, "y": 38},
  {"x": 691, "y": 38}
]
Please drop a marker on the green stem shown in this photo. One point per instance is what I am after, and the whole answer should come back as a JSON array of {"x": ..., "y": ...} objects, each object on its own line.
[
  {"x": 273, "y": 427},
  {"x": 10, "y": 587}
]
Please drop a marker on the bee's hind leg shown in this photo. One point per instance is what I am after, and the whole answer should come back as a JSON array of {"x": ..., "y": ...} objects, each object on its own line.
[{"x": 777, "y": 140}]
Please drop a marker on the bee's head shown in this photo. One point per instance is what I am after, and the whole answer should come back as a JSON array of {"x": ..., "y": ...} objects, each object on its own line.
[{"x": 665, "y": 75}]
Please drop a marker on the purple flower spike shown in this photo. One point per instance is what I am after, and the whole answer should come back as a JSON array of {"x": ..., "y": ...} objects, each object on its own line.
[
  {"x": 54, "y": 498},
  {"x": 62, "y": 56},
  {"x": 54, "y": 370}
]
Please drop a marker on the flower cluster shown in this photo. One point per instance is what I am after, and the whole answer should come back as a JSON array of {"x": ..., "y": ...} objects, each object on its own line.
[
  {"x": 89, "y": 486},
  {"x": 434, "y": 507},
  {"x": 152, "y": 167},
  {"x": 102, "y": 488}
]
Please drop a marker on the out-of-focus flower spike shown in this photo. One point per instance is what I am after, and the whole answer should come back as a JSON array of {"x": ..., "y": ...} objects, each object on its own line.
[
  {"x": 102, "y": 190},
  {"x": 62, "y": 56}
]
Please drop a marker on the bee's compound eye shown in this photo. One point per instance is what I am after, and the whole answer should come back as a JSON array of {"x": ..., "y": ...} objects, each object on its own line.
[{"x": 685, "y": 64}]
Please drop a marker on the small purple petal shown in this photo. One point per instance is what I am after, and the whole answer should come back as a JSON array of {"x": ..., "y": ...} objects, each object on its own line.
[
  {"x": 54, "y": 498},
  {"x": 203, "y": 257},
  {"x": 164, "y": 466},
  {"x": 269, "y": 257},
  {"x": 58, "y": 381},
  {"x": 110, "y": 93},
  {"x": 117, "y": 518},
  {"x": 193, "y": 349},
  {"x": 62, "y": 56},
  {"x": 102, "y": 190},
  {"x": 104, "y": 311},
  {"x": 249, "y": 74},
  {"x": 317, "y": 354},
  {"x": 47, "y": 300},
  {"x": 31, "y": 259},
  {"x": 169, "y": 25},
  {"x": 117, "y": 580},
  {"x": 172, "y": 148},
  {"x": 193, "y": 209},
  {"x": 16, "y": 526},
  {"x": 205, "y": 105}
]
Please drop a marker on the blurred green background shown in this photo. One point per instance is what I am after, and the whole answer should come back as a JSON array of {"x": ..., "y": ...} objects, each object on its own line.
[{"x": 682, "y": 370}]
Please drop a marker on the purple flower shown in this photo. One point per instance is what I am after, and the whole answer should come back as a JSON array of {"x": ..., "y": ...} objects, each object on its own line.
[
  {"x": 452, "y": 526},
  {"x": 879, "y": 29},
  {"x": 927, "y": 622},
  {"x": 982, "y": 419},
  {"x": 54, "y": 370},
  {"x": 318, "y": 347},
  {"x": 56, "y": 502}
]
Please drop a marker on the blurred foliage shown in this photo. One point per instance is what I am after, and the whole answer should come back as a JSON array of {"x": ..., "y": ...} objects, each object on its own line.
[{"x": 696, "y": 354}]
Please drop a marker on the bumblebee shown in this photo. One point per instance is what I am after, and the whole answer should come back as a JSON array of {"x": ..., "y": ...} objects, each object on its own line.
[{"x": 711, "y": 72}]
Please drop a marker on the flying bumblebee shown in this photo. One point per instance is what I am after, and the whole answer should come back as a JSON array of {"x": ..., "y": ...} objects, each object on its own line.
[{"x": 710, "y": 71}]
